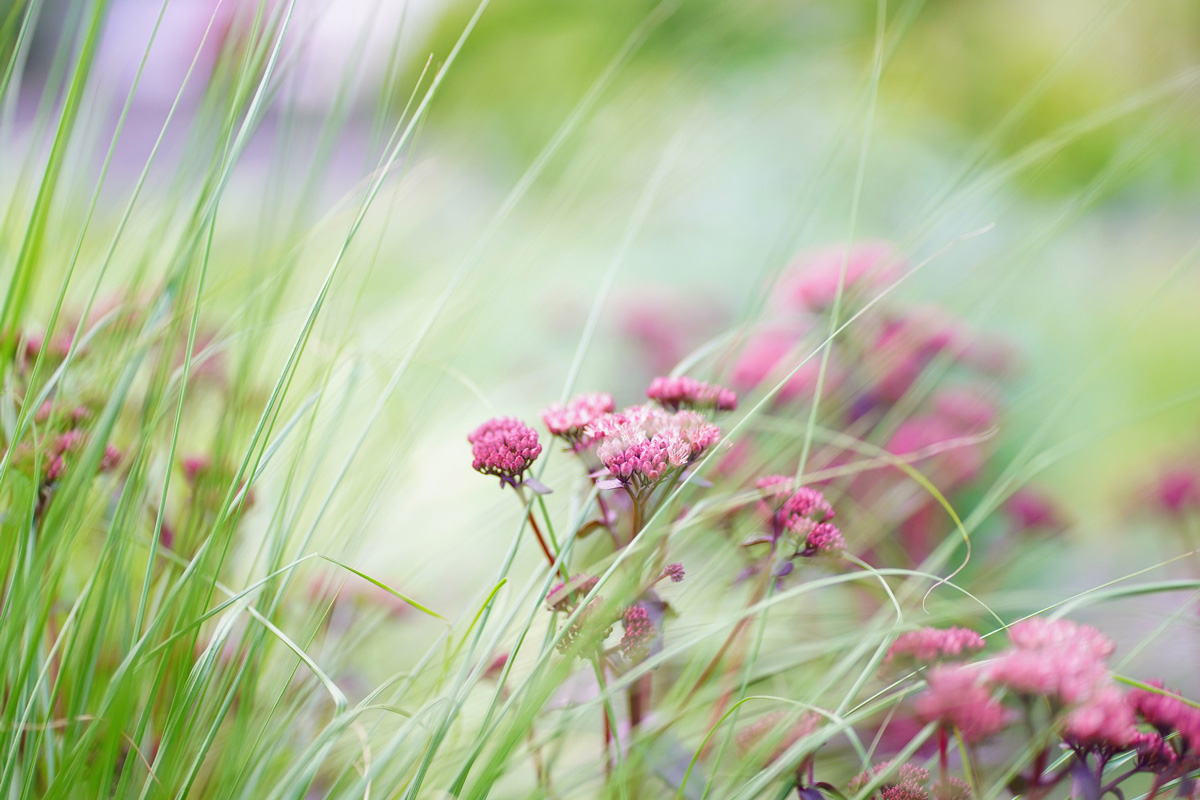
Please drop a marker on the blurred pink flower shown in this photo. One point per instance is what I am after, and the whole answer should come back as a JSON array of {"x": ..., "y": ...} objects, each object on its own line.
[
  {"x": 684, "y": 392},
  {"x": 927, "y": 645},
  {"x": 810, "y": 282},
  {"x": 957, "y": 698}
]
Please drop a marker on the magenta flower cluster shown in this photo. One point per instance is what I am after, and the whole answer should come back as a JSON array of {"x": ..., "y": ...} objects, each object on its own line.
[
  {"x": 639, "y": 633},
  {"x": 504, "y": 447},
  {"x": 641, "y": 444}
]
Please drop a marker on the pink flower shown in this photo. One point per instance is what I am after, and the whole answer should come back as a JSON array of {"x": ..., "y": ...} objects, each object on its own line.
[
  {"x": 674, "y": 572},
  {"x": 939, "y": 448},
  {"x": 1168, "y": 713},
  {"x": 504, "y": 447},
  {"x": 1057, "y": 659},
  {"x": 967, "y": 407},
  {"x": 640, "y": 445},
  {"x": 957, "y": 698},
  {"x": 928, "y": 645},
  {"x": 1104, "y": 722},
  {"x": 1032, "y": 510},
  {"x": 805, "y": 514},
  {"x": 906, "y": 347},
  {"x": 773, "y": 353},
  {"x": 685, "y": 392},
  {"x": 811, "y": 281},
  {"x": 639, "y": 633},
  {"x": 1177, "y": 490},
  {"x": 569, "y": 421},
  {"x": 1047, "y": 634}
]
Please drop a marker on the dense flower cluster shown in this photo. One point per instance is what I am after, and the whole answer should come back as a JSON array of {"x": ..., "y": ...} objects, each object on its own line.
[
  {"x": 685, "y": 392},
  {"x": 504, "y": 447},
  {"x": 569, "y": 421},
  {"x": 639, "y": 633},
  {"x": 927, "y": 645},
  {"x": 958, "y": 698},
  {"x": 641, "y": 444},
  {"x": 912, "y": 783}
]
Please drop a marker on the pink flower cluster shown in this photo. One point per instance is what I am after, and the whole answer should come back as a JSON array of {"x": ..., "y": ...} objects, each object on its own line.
[
  {"x": 643, "y": 443},
  {"x": 569, "y": 421},
  {"x": 1168, "y": 713},
  {"x": 927, "y": 645},
  {"x": 504, "y": 447},
  {"x": 1056, "y": 659},
  {"x": 639, "y": 633},
  {"x": 959, "y": 698},
  {"x": 913, "y": 784},
  {"x": 811, "y": 282},
  {"x": 685, "y": 392},
  {"x": 805, "y": 514}
]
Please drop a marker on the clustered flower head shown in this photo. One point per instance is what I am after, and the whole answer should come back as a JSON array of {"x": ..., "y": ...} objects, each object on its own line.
[
  {"x": 674, "y": 572},
  {"x": 913, "y": 784},
  {"x": 685, "y": 392},
  {"x": 639, "y": 633},
  {"x": 1056, "y": 659},
  {"x": 504, "y": 447},
  {"x": 569, "y": 421},
  {"x": 566, "y": 595},
  {"x": 805, "y": 515},
  {"x": 958, "y": 698},
  {"x": 928, "y": 645},
  {"x": 1167, "y": 714},
  {"x": 587, "y": 633},
  {"x": 641, "y": 444}
]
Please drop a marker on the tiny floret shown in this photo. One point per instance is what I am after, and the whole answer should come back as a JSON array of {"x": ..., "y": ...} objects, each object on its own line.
[
  {"x": 685, "y": 392},
  {"x": 674, "y": 572},
  {"x": 504, "y": 447}
]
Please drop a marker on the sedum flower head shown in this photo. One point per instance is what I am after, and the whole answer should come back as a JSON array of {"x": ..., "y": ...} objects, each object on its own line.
[
  {"x": 958, "y": 698},
  {"x": 640, "y": 445},
  {"x": 504, "y": 447},
  {"x": 639, "y": 633},
  {"x": 927, "y": 645},
  {"x": 674, "y": 572},
  {"x": 684, "y": 392},
  {"x": 569, "y": 421},
  {"x": 1104, "y": 722}
]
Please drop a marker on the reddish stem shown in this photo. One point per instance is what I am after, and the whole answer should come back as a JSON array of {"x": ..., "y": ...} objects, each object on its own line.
[{"x": 537, "y": 532}]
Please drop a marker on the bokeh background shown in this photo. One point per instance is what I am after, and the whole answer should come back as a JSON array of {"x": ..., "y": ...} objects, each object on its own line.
[{"x": 661, "y": 163}]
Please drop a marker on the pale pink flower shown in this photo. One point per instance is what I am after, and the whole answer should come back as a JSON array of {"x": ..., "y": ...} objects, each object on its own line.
[
  {"x": 569, "y": 421},
  {"x": 684, "y": 392},
  {"x": 1047, "y": 634},
  {"x": 958, "y": 698},
  {"x": 1168, "y": 713},
  {"x": 504, "y": 447},
  {"x": 811, "y": 281},
  {"x": 966, "y": 406},
  {"x": 640, "y": 445},
  {"x": 928, "y": 645},
  {"x": 1103, "y": 722},
  {"x": 771, "y": 354}
]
